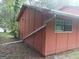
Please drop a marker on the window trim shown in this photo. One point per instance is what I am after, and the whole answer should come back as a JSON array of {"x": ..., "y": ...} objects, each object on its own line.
[{"x": 62, "y": 31}]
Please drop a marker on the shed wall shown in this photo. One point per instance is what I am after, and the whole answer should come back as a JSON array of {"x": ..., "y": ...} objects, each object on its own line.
[
  {"x": 37, "y": 41},
  {"x": 30, "y": 21},
  {"x": 46, "y": 41},
  {"x": 59, "y": 42}
]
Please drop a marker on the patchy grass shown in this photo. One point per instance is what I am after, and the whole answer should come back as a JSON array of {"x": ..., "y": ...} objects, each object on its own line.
[
  {"x": 73, "y": 54},
  {"x": 6, "y": 37},
  {"x": 22, "y": 51}
]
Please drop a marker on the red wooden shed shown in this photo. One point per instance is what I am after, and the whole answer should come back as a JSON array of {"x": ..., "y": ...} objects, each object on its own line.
[{"x": 49, "y": 32}]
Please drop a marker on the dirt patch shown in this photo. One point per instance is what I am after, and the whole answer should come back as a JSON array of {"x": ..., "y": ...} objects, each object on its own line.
[
  {"x": 6, "y": 37},
  {"x": 23, "y": 51}
]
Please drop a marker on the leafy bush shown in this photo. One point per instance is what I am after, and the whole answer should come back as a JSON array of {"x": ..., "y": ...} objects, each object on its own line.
[{"x": 14, "y": 33}]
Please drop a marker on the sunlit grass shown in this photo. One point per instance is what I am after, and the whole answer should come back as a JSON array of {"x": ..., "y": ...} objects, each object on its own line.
[
  {"x": 5, "y": 35},
  {"x": 73, "y": 54}
]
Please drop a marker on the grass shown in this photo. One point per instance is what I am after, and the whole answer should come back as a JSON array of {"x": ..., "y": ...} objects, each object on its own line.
[
  {"x": 74, "y": 55},
  {"x": 5, "y": 35}
]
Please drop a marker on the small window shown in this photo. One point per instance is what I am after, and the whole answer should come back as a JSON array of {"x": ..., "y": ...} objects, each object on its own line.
[{"x": 63, "y": 25}]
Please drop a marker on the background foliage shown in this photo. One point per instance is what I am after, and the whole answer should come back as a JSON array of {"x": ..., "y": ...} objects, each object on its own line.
[{"x": 9, "y": 10}]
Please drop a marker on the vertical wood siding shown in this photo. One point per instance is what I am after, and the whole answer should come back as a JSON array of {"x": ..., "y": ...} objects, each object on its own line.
[
  {"x": 59, "y": 42},
  {"x": 77, "y": 27},
  {"x": 72, "y": 36},
  {"x": 50, "y": 42},
  {"x": 46, "y": 41},
  {"x": 21, "y": 32},
  {"x": 31, "y": 20},
  {"x": 38, "y": 19},
  {"x": 37, "y": 41}
]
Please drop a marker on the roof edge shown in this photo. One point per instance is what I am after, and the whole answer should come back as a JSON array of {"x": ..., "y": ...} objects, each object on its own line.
[{"x": 23, "y": 8}]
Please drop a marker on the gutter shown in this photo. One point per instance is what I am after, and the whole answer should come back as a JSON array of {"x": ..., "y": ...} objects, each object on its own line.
[{"x": 56, "y": 12}]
